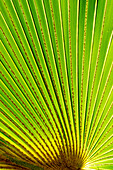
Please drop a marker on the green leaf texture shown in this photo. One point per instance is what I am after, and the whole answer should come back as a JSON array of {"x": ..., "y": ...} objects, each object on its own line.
[{"x": 56, "y": 84}]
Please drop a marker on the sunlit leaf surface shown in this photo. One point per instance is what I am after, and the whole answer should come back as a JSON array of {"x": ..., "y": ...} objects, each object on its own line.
[{"x": 56, "y": 84}]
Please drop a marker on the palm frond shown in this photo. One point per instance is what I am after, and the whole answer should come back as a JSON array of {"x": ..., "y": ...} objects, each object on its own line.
[{"x": 56, "y": 84}]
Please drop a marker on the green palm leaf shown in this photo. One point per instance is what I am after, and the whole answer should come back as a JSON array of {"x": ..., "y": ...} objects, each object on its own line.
[{"x": 56, "y": 84}]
